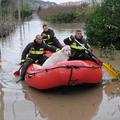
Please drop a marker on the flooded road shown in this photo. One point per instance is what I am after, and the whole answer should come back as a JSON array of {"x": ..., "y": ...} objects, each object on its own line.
[{"x": 20, "y": 102}]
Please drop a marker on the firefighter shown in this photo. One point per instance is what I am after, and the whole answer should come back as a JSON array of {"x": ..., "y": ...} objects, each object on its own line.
[
  {"x": 34, "y": 53},
  {"x": 78, "y": 46},
  {"x": 49, "y": 37}
]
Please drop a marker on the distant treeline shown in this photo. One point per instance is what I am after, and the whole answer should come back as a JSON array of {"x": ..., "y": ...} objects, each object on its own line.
[
  {"x": 65, "y": 14},
  {"x": 102, "y": 20},
  {"x": 10, "y": 12}
]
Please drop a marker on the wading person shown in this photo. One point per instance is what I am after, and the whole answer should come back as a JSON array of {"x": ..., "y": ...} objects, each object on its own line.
[
  {"x": 79, "y": 47},
  {"x": 34, "y": 53},
  {"x": 49, "y": 37}
]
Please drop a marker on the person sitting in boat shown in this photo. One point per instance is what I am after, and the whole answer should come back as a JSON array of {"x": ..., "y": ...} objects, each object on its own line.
[
  {"x": 78, "y": 46},
  {"x": 49, "y": 37},
  {"x": 34, "y": 53}
]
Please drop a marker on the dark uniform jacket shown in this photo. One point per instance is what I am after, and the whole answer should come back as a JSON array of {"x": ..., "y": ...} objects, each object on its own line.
[
  {"x": 50, "y": 39},
  {"x": 76, "y": 48},
  {"x": 74, "y": 45},
  {"x": 35, "y": 51}
]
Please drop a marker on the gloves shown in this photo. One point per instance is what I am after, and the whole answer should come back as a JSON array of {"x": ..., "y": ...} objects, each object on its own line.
[
  {"x": 57, "y": 49},
  {"x": 22, "y": 62}
]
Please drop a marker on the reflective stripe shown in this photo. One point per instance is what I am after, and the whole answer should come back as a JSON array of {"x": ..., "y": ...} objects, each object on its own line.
[
  {"x": 36, "y": 52},
  {"x": 48, "y": 36},
  {"x": 50, "y": 43},
  {"x": 77, "y": 47},
  {"x": 70, "y": 39},
  {"x": 45, "y": 39},
  {"x": 22, "y": 60}
]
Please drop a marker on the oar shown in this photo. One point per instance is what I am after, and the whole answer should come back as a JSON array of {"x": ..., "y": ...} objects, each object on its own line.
[
  {"x": 17, "y": 73},
  {"x": 107, "y": 66},
  {"x": 111, "y": 70}
]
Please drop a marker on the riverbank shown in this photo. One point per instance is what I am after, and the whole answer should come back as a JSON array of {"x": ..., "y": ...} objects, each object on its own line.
[
  {"x": 7, "y": 27},
  {"x": 66, "y": 14}
]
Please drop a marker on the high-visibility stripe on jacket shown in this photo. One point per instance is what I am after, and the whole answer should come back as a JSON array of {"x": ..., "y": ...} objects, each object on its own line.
[
  {"x": 50, "y": 39},
  {"x": 74, "y": 45},
  {"x": 36, "y": 52},
  {"x": 71, "y": 40},
  {"x": 47, "y": 37}
]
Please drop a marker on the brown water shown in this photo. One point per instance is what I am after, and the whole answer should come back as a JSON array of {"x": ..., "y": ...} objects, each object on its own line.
[{"x": 20, "y": 102}]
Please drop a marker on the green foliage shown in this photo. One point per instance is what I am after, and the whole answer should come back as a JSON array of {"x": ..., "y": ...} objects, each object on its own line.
[
  {"x": 65, "y": 14},
  {"x": 80, "y": 15},
  {"x": 63, "y": 17},
  {"x": 103, "y": 26},
  {"x": 7, "y": 21},
  {"x": 5, "y": 3},
  {"x": 69, "y": 16},
  {"x": 108, "y": 52},
  {"x": 9, "y": 13},
  {"x": 25, "y": 11},
  {"x": 6, "y": 8}
]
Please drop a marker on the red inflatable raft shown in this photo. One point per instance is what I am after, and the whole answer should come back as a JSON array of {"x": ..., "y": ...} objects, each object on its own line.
[{"x": 64, "y": 74}]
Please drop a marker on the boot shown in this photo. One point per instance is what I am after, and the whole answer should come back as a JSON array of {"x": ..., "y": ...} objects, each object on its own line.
[{"x": 22, "y": 78}]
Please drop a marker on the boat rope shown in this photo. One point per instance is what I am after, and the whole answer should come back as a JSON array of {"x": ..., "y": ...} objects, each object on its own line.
[{"x": 67, "y": 66}]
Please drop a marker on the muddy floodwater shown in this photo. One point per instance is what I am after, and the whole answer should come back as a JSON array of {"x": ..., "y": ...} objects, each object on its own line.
[{"x": 20, "y": 102}]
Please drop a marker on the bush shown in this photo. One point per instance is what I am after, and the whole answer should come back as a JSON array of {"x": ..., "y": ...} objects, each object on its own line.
[
  {"x": 103, "y": 26},
  {"x": 64, "y": 14},
  {"x": 25, "y": 11},
  {"x": 63, "y": 17},
  {"x": 7, "y": 21}
]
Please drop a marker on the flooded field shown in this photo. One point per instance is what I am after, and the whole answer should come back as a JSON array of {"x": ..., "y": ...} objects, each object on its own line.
[{"x": 20, "y": 102}]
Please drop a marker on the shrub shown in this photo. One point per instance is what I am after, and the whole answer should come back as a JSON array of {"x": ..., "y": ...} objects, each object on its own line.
[
  {"x": 25, "y": 11},
  {"x": 103, "y": 26},
  {"x": 63, "y": 17},
  {"x": 64, "y": 14}
]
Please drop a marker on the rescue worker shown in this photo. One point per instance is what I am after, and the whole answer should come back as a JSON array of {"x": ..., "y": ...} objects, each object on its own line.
[
  {"x": 78, "y": 46},
  {"x": 34, "y": 53},
  {"x": 49, "y": 37}
]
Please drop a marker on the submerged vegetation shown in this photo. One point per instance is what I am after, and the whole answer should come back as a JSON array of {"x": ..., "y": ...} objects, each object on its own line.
[
  {"x": 10, "y": 13},
  {"x": 7, "y": 21},
  {"x": 25, "y": 11}
]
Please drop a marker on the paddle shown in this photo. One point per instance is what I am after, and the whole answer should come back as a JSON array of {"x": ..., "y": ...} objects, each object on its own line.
[
  {"x": 107, "y": 66},
  {"x": 17, "y": 73}
]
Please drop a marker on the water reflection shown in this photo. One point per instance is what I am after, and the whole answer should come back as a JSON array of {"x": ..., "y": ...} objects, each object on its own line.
[
  {"x": 72, "y": 104},
  {"x": 17, "y": 107},
  {"x": 110, "y": 106}
]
